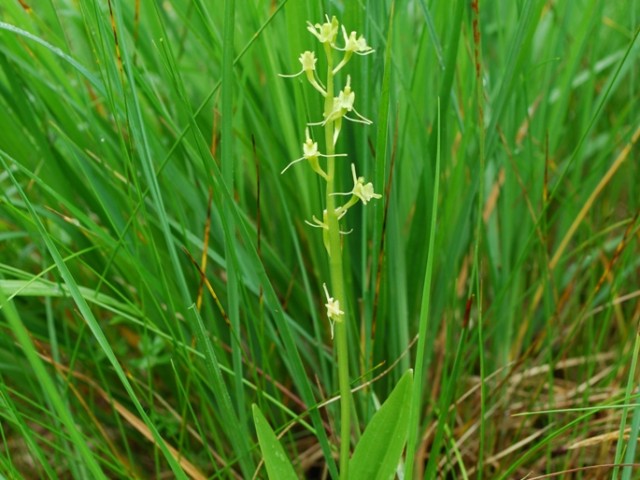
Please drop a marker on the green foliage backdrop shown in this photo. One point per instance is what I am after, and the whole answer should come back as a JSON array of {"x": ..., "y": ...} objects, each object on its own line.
[{"x": 141, "y": 143}]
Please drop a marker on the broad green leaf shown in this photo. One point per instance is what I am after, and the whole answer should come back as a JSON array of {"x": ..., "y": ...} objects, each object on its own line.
[
  {"x": 379, "y": 450},
  {"x": 275, "y": 459}
]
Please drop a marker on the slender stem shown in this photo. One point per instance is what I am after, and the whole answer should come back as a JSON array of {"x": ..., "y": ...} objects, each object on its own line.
[{"x": 337, "y": 283}]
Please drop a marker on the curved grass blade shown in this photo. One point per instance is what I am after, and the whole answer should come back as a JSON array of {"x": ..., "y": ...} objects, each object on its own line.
[{"x": 275, "y": 459}]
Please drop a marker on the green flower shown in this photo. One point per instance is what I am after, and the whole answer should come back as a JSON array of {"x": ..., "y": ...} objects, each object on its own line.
[
  {"x": 356, "y": 45},
  {"x": 361, "y": 191},
  {"x": 333, "y": 308},
  {"x": 311, "y": 153},
  {"x": 324, "y": 225},
  {"x": 352, "y": 44},
  {"x": 343, "y": 104},
  {"x": 308, "y": 60},
  {"x": 326, "y": 33}
]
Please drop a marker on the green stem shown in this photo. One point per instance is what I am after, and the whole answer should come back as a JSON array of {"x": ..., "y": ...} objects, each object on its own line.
[{"x": 337, "y": 285}]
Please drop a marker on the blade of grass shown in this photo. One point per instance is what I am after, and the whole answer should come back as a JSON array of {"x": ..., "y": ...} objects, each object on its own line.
[
  {"x": 420, "y": 369},
  {"x": 238, "y": 439},
  {"x": 633, "y": 436},
  {"x": 380, "y": 173}
]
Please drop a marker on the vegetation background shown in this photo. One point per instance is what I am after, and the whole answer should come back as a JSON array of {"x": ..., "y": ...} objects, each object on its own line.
[{"x": 141, "y": 143}]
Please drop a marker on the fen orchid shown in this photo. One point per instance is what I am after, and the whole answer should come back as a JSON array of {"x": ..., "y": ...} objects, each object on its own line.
[{"x": 336, "y": 107}]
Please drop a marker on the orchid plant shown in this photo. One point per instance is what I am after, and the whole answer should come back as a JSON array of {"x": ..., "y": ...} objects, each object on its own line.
[{"x": 337, "y": 107}]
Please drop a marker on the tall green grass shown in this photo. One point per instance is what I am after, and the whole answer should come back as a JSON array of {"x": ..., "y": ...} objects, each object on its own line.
[{"x": 141, "y": 145}]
